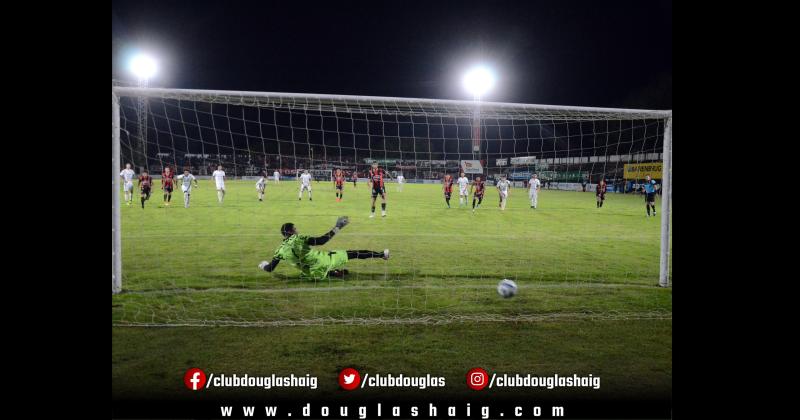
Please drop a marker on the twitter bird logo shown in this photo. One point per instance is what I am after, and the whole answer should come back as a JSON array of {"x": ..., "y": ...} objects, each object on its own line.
[{"x": 349, "y": 379}]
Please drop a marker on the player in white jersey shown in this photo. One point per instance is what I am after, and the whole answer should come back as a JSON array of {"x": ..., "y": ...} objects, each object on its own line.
[
  {"x": 277, "y": 176},
  {"x": 219, "y": 179},
  {"x": 186, "y": 185},
  {"x": 127, "y": 175},
  {"x": 534, "y": 185},
  {"x": 261, "y": 185},
  {"x": 400, "y": 181},
  {"x": 463, "y": 193},
  {"x": 503, "y": 188},
  {"x": 305, "y": 184}
]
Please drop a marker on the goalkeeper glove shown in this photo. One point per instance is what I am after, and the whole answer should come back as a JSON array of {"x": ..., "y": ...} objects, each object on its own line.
[{"x": 342, "y": 222}]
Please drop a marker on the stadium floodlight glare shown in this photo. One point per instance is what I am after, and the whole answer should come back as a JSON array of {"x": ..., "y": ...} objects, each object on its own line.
[
  {"x": 479, "y": 80},
  {"x": 143, "y": 66}
]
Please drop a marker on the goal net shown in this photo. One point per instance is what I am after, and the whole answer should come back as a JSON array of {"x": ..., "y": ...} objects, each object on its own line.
[{"x": 570, "y": 257}]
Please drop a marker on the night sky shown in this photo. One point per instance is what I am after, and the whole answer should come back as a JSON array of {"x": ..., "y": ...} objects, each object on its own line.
[{"x": 584, "y": 53}]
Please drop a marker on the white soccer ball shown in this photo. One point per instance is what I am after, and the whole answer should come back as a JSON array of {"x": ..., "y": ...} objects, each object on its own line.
[{"x": 507, "y": 288}]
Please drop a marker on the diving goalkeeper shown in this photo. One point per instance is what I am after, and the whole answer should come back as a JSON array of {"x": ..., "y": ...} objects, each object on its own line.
[{"x": 315, "y": 264}]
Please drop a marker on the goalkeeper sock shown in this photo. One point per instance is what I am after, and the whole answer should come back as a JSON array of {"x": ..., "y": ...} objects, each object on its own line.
[{"x": 361, "y": 255}]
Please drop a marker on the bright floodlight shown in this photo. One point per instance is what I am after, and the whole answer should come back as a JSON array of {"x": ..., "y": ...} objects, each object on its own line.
[
  {"x": 143, "y": 66},
  {"x": 479, "y": 80}
]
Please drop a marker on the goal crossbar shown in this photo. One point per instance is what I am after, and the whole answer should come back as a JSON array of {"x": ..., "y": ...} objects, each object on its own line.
[{"x": 392, "y": 105}]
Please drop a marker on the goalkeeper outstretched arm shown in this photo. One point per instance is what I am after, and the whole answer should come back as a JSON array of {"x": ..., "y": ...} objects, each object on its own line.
[{"x": 321, "y": 240}]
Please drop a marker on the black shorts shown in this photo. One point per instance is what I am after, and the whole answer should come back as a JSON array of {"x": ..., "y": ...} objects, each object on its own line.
[
  {"x": 447, "y": 194},
  {"x": 340, "y": 187},
  {"x": 146, "y": 190},
  {"x": 168, "y": 188},
  {"x": 478, "y": 195},
  {"x": 376, "y": 191},
  {"x": 650, "y": 197},
  {"x": 601, "y": 196}
]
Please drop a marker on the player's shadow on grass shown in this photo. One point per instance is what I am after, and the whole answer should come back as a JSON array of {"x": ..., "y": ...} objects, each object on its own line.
[{"x": 351, "y": 276}]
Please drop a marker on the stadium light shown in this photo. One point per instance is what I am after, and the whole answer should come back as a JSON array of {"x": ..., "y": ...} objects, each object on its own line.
[
  {"x": 143, "y": 66},
  {"x": 478, "y": 81}
]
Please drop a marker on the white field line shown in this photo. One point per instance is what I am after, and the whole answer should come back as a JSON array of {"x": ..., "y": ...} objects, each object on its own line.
[{"x": 422, "y": 287}]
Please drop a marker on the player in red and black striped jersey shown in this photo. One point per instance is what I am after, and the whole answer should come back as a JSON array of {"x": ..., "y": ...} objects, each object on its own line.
[
  {"x": 145, "y": 183},
  {"x": 478, "y": 187},
  {"x": 338, "y": 183},
  {"x": 600, "y": 192},
  {"x": 447, "y": 187},
  {"x": 376, "y": 175},
  {"x": 167, "y": 183}
]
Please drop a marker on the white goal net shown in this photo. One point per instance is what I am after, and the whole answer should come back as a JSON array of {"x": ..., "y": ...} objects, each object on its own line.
[{"x": 571, "y": 257}]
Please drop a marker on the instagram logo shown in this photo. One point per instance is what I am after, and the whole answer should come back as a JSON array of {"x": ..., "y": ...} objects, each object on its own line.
[
  {"x": 194, "y": 379},
  {"x": 349, "y": 379},
  {"x": 477, "y": 379}
]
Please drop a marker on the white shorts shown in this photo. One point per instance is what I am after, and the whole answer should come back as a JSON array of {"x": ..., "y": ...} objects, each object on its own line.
[
  {"x": 504, "y": 194},
  {"x": 186, "y": 189},
  {"x": 305, "y": 187},
  {"x": 129, "y": 186},
  {"x": 261, "y": 187},
  {"x": 221, "y": 186},
  {"x": 463, "y": 192},
  {"x": 532, "y": 193}
]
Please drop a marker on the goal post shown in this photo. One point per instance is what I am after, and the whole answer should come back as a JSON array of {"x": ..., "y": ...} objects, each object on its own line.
[
  {"x": 666, "y": 202},
  {"x": 252, "y": 132},
  {"x": 116, "y": 232}
]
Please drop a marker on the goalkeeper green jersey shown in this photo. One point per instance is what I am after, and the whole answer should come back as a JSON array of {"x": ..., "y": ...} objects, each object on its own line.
[{"x": 313, "y": 264}]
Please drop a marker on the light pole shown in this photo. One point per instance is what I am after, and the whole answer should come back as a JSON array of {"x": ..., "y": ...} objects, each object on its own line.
[
  {"x": 478, "y": 81},
  {"x": 143, "y": 67}
]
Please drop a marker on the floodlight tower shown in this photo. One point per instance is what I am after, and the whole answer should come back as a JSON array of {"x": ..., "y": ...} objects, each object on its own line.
[
  {"x": 478, "y": 81},
  {"x": 143, "y": 67}
]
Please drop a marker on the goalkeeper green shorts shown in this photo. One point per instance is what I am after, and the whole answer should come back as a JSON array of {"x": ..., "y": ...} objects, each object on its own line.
[{"x": 326, "y": 262}]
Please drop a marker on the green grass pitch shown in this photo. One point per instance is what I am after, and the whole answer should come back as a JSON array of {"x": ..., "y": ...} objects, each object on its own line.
[{"x": 588, "y": 299}]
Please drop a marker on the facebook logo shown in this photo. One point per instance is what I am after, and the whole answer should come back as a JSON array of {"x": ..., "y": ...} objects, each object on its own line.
[{"x": 194, "y": 379}]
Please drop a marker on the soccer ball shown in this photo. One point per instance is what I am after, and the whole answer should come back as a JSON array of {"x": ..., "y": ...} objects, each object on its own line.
[{"x": 507, "y": 288}]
